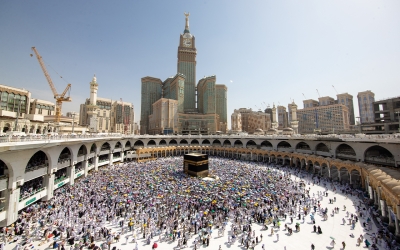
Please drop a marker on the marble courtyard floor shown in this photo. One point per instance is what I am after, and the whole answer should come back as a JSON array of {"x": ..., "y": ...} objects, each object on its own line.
[{"x": 332, "y": 227}]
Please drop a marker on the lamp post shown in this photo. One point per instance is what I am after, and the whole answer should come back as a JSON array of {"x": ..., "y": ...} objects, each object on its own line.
[
  {"x": 73, "y": 121},
  {"x": 359, "y": 124},
  {"x": 16, "y": 120}
]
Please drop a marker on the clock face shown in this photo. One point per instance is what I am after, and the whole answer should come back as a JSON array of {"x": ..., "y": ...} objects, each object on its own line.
[{"x": 187, "y": 42}]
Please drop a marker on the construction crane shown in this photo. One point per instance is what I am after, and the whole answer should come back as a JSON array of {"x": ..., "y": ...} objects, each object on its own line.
[
  {"x": 318, "y": 93},
  {"x": 304, "y": 96},
  {"x": 124, "y": 121},
  {"x": 59, "y": 98},
  {"x": 335, "y": 89}
]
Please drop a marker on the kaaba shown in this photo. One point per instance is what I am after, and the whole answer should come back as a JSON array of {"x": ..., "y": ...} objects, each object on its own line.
[{"x": 195, "y": 164}]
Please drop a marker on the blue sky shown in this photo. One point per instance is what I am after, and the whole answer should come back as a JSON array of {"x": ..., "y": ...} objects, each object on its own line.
[{"x": 264, "y": 51}]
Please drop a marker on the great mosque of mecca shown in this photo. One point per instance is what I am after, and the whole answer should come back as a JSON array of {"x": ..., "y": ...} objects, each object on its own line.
[{"x": 367, "y": 163}]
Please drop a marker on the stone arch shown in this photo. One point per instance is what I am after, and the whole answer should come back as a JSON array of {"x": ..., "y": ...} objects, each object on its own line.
[
  {"x": 151, "y": 143},
  {"x": 194, "y": 142},
  {"x": 93, "y": 148},
  {"x": 173, "y": 142},
  {"x": 127, "y": 145},
  {"x": 286, "y": 160},
  {"x": 162, "y": 143},
  {"x": 344, "y": 175},
  {"x": 39, "y": 130},
  {"x": 3, "y": 168},
  {"x": 118, "y": 145},
  {"x": 322, "y": 147},
  {"x": 183, "y": 142},
  {"x": 355, "y": 177},
  {"x": 38, "y": 160},
  {"x": 138, "y": 144},
  {"x": 105, "y": 146},
  {"x": 65, "y": 155},
  {"x": 344, "y": 151},
  {"x": 302, "y": 145},
  {"x": 7, "y": 127},
  {"x": 216, "y": 143},
  {"x": 227, "y": 143},
  {"x": 251, "y": 144},
  {"x": 325, "y": 171},
  {"x": 310, "y": 165},
  {"x": 334, "y": 173},
  {"x": 32, "y": 129},
  {"x": 284, "y": 144},
  {"x": 379, "y": 155},
  {"x": 205, "y": 142},
  {"x": 82, "y": 150},
  {"x": 266, "y": 144},
  {"x": 238, "y": 144}
]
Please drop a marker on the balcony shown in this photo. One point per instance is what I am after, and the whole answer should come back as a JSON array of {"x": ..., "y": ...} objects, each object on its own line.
[
  {"x": 27, "y": 200},
  {"x": 80, "y": 158},
  {"x": 63, "y": 163},
  {"x": 380, "y": 160},
  {"x": 34, "y": 117},
  {"x": 104, "y": 152}
]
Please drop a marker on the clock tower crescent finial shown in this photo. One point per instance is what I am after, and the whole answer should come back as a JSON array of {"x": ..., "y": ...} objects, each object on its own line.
[{"x": 187, "y": 22}]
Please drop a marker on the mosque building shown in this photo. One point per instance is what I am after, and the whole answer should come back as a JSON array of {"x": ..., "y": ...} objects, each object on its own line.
[{"x": 177, "y": 105}]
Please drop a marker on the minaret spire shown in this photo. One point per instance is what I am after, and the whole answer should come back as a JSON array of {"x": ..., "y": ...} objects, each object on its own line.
[{"x": 186, "y": 23}]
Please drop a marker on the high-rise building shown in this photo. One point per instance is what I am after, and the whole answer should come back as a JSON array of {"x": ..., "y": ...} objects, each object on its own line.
[
  {"x": 221, "y": 106},
  {"x": 201, "y": 113},
  {"x": 151, "y": 92},
  {"x": 247, "y": 120},
  {"x": 164, "y": 119},
  {"x": 324, "y": 119},
  {"x": 236, "y": 121},
  {"x": 366, "y": 101},
  {"x": 387, "y": 116},
  {"x": 187, "y": 65},
  {"x": 282, "y": 117},
  {"x": 347, "y": 99}
]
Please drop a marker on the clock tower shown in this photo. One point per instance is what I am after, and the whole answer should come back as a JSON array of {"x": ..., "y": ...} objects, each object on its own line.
[{"x": 187, "y": 65}]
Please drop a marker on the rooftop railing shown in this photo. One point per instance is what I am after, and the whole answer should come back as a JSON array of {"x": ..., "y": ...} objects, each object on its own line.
[{"x": 344, "y": 137}]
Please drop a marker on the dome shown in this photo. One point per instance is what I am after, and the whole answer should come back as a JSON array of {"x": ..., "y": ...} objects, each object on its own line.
[
  {"x": 392, "y": 183},
  {"x": 259, "y": 130},
  {"x": 396, "y": 190}
]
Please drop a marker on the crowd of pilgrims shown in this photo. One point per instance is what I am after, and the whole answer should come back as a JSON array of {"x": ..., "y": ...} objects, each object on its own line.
[{"x": 156, "y": 202}]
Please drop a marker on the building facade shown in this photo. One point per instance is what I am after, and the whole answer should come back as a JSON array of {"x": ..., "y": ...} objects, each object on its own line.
[
  {"x": 103, "y": 115},
  {"x": 347, "y": 100},
  {"x": 199, "y": 109},
  {"x": 282, "y": 117},
  {"x": 247, "y": 120},
  {"x": 387, "y": 117},
  {"x": 164, "y": 119},
  {"x": 366, "y": 101},
  {"x": 323, "y": 119}
]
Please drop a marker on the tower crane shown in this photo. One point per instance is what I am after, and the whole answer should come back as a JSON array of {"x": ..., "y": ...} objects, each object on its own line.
[
  {"x": 335, "y": 89},
  {"x": 60, "y": 98},
  {"x": 318, "y": 93}
]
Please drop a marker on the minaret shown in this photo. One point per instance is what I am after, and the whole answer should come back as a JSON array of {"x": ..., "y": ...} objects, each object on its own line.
[
  {"x": 91, "y": 108},
  {"x": 274, "y": 123},
  {"x": 294, "y": 123},
  {"x": 93, "y": 91}
]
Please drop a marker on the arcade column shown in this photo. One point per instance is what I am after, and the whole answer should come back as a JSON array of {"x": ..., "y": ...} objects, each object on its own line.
[
  {"x": 122, "y": 154},
  {"x": 96, "y": 163},
  {"x": 110, "y": 158},
  {"x": 382, "y": 205},
  {"x": 71, "y": 174},
  {"x": 11, "y": 206},
  {"x": 49, "y": 184},
  {"x": 86, "y": 167}
]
